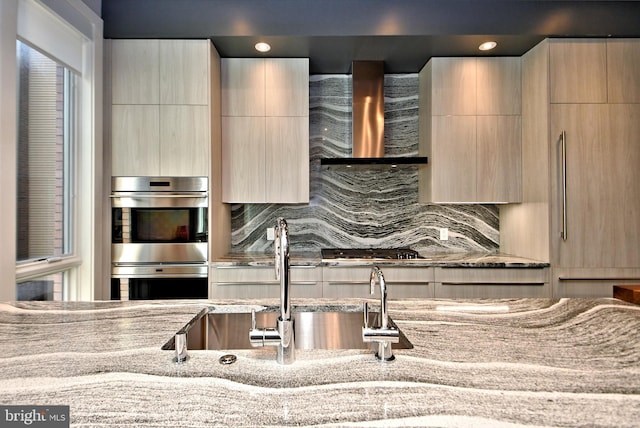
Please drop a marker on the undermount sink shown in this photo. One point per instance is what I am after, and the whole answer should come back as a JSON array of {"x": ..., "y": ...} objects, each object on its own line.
[{"x": 313, "y": 329}]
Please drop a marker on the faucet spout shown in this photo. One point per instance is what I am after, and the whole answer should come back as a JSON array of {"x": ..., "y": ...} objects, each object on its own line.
[
  {"x": 283, "y": 335},
  {"x": 281, "y": 245},
  {"x": 383, "y": 335},
  {"x": 377, "y": 276}
]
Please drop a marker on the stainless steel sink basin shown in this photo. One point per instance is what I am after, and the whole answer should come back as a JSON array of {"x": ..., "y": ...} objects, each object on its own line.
[{"x": 313, "y": 330}]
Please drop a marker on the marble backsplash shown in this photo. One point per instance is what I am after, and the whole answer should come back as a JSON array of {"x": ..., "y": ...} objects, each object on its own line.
[{"x": 365, "y": 208}]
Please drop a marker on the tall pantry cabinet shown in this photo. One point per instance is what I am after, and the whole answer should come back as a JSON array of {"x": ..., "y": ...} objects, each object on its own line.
[{"x": 581, "y": 116}]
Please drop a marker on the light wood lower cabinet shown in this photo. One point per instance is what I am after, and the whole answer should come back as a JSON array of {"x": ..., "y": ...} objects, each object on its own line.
[
  {"x": 335, "y": 282},
  {"x": 591, "y": 282},
  {"x": 242, "y": 282},
  {"x": 491, "y": 283},
  {"x": 401, "y": 282}
]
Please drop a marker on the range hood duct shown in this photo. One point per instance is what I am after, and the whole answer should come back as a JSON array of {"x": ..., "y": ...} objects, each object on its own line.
[
  {"x": 367, "y": 109},
  {"x": 367, "y": 114}
]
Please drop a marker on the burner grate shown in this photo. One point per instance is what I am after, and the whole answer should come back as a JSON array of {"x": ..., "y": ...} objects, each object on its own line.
[{"x": 370, "y": 253}]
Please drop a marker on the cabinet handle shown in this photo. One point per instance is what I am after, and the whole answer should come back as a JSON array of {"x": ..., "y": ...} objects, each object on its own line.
[{"x": 563, "y": 146}]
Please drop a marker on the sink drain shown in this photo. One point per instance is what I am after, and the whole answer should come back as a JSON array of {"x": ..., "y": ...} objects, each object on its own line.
[{"x": 228, "y": 359}]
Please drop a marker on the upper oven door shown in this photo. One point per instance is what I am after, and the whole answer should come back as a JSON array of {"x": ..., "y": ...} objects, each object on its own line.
[
  {"x": 159, "y": 225},
  {"x": 156, "y": 210}
]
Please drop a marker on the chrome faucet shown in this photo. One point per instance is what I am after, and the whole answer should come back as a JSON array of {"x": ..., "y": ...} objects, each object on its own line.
[
  {"x": 282, "y": 336},
  {"x": 383, "y": 334}
]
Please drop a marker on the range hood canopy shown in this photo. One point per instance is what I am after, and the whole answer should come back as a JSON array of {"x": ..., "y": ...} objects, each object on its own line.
[{"x": 368, "y": 120}]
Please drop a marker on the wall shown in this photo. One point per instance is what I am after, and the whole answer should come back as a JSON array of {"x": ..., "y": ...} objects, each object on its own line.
[{"x": 368, "y": 208}]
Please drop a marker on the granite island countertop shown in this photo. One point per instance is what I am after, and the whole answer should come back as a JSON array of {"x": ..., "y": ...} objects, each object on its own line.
[
  {"x": 488, "y": 363},
  {"x": 444, "y": 259}
]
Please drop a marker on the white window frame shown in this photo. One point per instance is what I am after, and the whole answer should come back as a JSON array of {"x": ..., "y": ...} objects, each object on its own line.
[{"x": 73, "y": 23}]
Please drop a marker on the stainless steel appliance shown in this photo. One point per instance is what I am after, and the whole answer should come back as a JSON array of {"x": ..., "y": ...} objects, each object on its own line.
[
  {"x": 369, "y": 253},
  {"x": 159, "y": 237}
]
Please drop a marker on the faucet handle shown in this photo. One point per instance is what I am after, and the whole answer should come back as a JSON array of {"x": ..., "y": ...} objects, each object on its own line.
[{"x": 365, "y": 314}]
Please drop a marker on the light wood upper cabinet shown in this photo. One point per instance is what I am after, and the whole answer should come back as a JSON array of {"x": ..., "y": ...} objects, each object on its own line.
[
  {"x": 135, "y": 140},
  {"x": 243, "y": 158},
  {"x": 135, "y": 76},
  {"x": 265, "y": 130},
  {"x": 184, "y": 72},
  {"x": 623, "y": 70},
  {"x": 243, "y": 87},
  {"x": 285, "y": 92},
  {"x": 499, "y": 152},
  {"x": 578, "y": 71},
  {"x": 498, "y": 84},
  {"x": 184, "y": 128},
  {"x": 453, "y": 91},
  {"x": 161, "y": 113},
  {"x": 473, "y": 142},
  {"x": 286, "y": 160},
  {"x": 452, "y": 160}
]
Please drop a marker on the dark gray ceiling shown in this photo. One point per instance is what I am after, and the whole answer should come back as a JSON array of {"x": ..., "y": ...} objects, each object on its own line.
[{"x": 403, "y": 33}]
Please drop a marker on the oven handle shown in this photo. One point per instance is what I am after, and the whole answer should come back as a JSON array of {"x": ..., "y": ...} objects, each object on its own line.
[{"x": 156, "y": 195}]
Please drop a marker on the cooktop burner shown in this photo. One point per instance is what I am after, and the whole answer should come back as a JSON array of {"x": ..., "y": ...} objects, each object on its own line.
[{"x": 369, "y": 253}]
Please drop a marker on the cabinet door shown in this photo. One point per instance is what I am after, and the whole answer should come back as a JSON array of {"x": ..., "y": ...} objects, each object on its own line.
[
  {"x": 287, "y": 89},
  {"x": 184, "y": 140},
  {"x": 453, "y": 86},
  {"x": 499, "y": 159},
  {"x": 491, "y": 283},
  {"x": 623, "y": 70},
  {"x": 453, "y": 159},
  {"x": 499, "y": 86},
  {"x": 135, "y": 140},
  {"x": 287, "y": 160},
  {"x": 603, "y": 201},
  {"x": 243, "y": 87},
  {"x": 578, "y": 71},
  {"x": 184, "y": 72},
  {"x": 135, "y": 77},
  {"x": 624, "y": 167},
  {"x": 243, "y": 159}
]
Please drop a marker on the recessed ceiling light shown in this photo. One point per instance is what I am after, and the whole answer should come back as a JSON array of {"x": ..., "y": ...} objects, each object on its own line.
[
  {"x": 487, "y": 46},
  {"x": 263, "y": 47}
]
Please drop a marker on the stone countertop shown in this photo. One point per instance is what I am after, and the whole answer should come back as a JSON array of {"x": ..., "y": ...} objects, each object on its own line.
[
  {"x": 451, "y": 260},
  {"x": 487, "y": 363}
]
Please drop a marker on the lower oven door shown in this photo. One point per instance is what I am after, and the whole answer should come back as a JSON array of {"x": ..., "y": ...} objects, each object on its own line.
[{"x": 159, "y": 281}]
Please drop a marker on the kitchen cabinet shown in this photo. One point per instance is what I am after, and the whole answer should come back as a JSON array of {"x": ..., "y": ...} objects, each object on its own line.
[
  {"x": 451, "y": 283},
  {"x": 160, "y": 107},
  {"x": 623, "y": 70},
  {"x": 595, "y": 71},
  {"x": 346, "y": 281},
  {"x": 470, "y": 130},
  {"x": 265, "y": 130},
  {"x": 579, "y": 70},
  {"x": 588, "y": 213},
  {"x": 249, "y": 282}
]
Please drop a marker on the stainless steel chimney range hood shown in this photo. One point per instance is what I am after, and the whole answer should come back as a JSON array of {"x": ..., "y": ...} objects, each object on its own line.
[{"x": 368, "y": 121}]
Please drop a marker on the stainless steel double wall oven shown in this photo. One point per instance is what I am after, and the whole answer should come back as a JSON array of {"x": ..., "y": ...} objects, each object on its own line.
[{"x": 159, "y": 237}]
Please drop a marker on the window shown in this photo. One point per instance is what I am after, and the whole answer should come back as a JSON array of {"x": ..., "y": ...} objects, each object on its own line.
[
  {"x": 45, "y": 146},
  {"x": 54, "y": 226},
  {"x": 46, "y": 124},
  {"x": 48, "y": 287}
]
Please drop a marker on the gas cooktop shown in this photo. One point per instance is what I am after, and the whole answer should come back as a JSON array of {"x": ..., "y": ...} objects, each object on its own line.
[{"x": 370, "y": 253}]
